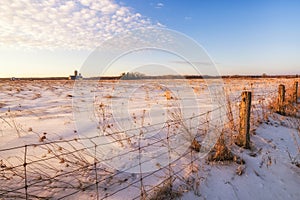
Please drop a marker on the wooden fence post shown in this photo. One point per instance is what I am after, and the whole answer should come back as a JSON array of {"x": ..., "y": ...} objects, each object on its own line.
[
  {"x": 295, "y": 92},
  {"x": 243, "y": 139},
  {"x": 281, "y": 100}
]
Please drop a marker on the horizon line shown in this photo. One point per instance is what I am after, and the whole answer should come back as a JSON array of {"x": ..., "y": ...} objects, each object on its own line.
[{"x": 157, "y": 77}]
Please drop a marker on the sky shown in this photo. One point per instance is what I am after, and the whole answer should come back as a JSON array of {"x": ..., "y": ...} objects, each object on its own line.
[{"x": 52, "y": 38}]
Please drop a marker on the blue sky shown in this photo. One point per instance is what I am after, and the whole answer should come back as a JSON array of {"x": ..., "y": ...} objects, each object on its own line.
[{"x": 52, "y": 38}]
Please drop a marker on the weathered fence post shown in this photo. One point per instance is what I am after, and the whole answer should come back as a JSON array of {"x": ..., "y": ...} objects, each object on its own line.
[
  {"x": 25, "y": 174},
  {"x": 295, "y": 92},
  {"x": 243, "y": 139},
  {"x": 281, "y": 100}
]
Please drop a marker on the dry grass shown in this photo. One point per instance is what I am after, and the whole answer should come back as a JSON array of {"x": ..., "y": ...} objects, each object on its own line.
[
  {"x": 220, "y": 151},
  {"x": 166, "y": 192}
]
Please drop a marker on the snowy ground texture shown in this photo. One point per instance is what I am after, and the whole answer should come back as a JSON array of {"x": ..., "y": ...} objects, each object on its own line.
[{"x": 43, "y": 157}]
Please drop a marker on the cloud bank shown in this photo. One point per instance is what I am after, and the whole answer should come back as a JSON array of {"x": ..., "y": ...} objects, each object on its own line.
[{"x": 50, "y": 24}]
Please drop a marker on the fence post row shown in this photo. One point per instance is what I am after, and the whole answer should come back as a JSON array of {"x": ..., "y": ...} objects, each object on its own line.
[
  {"x": 281, "y": 100},
  {"x": 295, "y": 92},
  {"x": 243, "y": 139}
]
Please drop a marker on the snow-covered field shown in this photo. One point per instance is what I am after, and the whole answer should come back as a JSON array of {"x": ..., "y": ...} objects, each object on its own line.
[{"x": 40, "y": 127}]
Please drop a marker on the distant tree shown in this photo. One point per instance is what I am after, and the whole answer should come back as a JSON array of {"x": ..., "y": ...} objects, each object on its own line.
[
  {"x": 132, "y": 75},
  {"x": 264, "y": 75}
]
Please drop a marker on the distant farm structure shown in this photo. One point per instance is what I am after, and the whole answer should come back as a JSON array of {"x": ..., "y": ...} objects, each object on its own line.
[{"x": 75, "y": 76}]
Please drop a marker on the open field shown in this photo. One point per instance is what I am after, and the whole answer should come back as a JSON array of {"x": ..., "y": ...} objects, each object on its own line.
[{"x": 51, "y": 149}]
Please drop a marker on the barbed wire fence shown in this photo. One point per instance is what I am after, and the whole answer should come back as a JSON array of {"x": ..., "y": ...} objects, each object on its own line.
[{"x": 63, "y": 168}]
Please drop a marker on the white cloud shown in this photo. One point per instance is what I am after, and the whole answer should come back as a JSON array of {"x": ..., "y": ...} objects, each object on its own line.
[
  {"x": 78, "y": 24},
  {"x": 159, "y": 5}
]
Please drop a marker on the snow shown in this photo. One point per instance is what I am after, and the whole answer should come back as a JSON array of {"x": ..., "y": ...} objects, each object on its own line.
[
  {"x": 268, "y": 175},
  {"x": 31, "y": 110}
]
